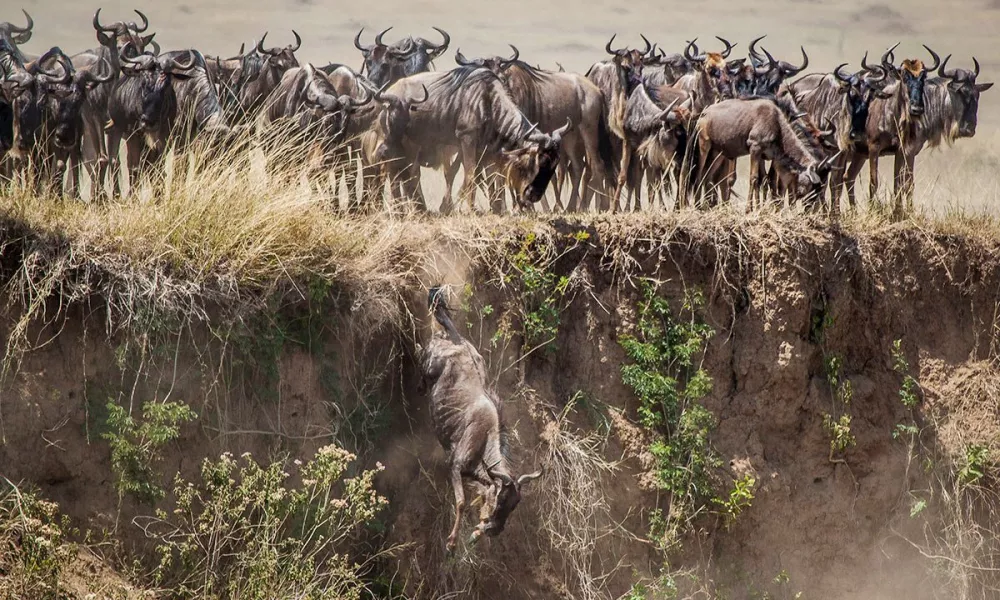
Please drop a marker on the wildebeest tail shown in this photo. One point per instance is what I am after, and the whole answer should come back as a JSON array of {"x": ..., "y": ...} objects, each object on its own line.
[
  {"x": 606, "y": 149},
  {"x": 437, "y": 304}
]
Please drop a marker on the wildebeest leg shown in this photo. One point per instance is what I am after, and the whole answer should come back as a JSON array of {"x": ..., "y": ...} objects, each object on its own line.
[
  {"x": 756, "y": 164},
  {"x": 575, "y": 177},
  {"x": 134, "y": 147},
  {"x": 903, "y": 183},
  {"x": 873, "y": 176},
  {"x": 450, "y": 172},
  {"x": 114, "y": 166},
  {"x": 470, "y": 164},
  {"x": 595, "y": 178},
  {"x": 623, "y": 173},
  {"x": 95, "y": 157},
  {"x": 851, "y": 179},
  {"x": 457, "y": 486}
]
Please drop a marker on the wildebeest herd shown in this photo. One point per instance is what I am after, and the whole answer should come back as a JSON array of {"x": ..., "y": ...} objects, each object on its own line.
[{"x": 642, "y": 120}]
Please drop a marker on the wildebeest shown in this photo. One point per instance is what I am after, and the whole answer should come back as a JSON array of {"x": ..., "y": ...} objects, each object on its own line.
[
  {"x": 15, "y": 35},
  {"x": 709, "y": 82},
  {"x": 772, "y": 73},
  {"x": 469, "y": 110},
  {"x": 758, "y": 128},
  {"x": 388, "y": 64},
  {"x": 263, "y": 76},
  {"x": 896, "y": 125},
  {"x": 842, "y": 100},
  {"x": 653, "y": 136},
  {"x": 548, "y": 99},
  {"x": 962, "y": 99},
  {"x": 231, "y": 77},
  {"x": 468, "y": 422}
]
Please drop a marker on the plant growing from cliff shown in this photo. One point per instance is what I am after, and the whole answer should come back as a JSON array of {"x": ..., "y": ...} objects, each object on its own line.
[
  {"x": 33, "y": 545},
  {"x": 909, "y": 387},
  {"x": 740, "y": 498},
  {"x": 542, "y": 296},
  {"x": 666, "y": 376},
  {"x": 248, "y": 531},
  {"x": 136, "y": 445},
  {"x": 838, "y": 423},
  {"x": 974, "y": 464}
]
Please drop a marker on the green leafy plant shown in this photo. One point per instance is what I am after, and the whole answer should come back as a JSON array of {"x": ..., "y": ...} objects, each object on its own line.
[
  {"x": 136, "y": 444},
  {"x": 33, "y": 545},
  {"x": 908, "y": 389},
  {"x": 740, "y": 498},
  {"x": 665, "y": 374},
  {"x": 974, "y": 464},
  {"x": 840, "y": 434},
  {"x": 247, "y": 531},
  {"x": 838, "y": 423},
  {"x": 542, "y": 294}
]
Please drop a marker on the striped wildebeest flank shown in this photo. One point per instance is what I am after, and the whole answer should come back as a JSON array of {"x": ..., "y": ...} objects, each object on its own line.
[
  {"x": 468, "y": 421},
  {"x": 469, "y": 109},
  {"x": 841, "y": 100},
  {"x": 113, "y": 39},
  {"x": 897, "y": 125},
  {"x": 758, "y": 128},
  {"x": 386, "y": 64},
  {"x": 548, "y": 100},
  {"x": 653, "y": 136}
]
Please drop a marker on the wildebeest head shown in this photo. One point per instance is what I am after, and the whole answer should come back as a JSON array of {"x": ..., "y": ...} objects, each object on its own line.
[
  {"x": 64, "y": 92},
  {"x": 771, "y": 73},
  {"x": 157, "y": 98},
  {"x": 912, "y": 74},
  {"x": 118, "y": 36},
  {"x": 965, "y": 92},
  {"x": 14, "y": 34},
  {"x": 393, "y": 120},
  {"x": 418, "y": 53},
  {"x": 503, "y": 498},
  {"x": 496, "y": 64},
  {"x": 712, "y": 65},
  {"x": 631, "y": 62},
  {"x": 388, "y": 64},
  {"x": 324, "y": 109},
  {"x": 25, "y": 95},
  {"x": 530, "y": 167},
  {"x": 860, "y": 89},
  {"x": 280, "y": 59},
  {"x": 812, "y": 180}
]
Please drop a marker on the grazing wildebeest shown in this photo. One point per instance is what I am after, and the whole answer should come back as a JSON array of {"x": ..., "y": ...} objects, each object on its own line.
[
  {"x": 388, "y": 64},
  {"x": 842, "y": 100},
  {"x": 264, "y": 76},
  {"x": 653, "y": 136},
  {"x": 896, "y": 125},
  {"x": 469, "y": 109},
  {"x": 548, "y": 99},
  {"x": 758, "y": 128},
  {"x": 468, "y": 422}
]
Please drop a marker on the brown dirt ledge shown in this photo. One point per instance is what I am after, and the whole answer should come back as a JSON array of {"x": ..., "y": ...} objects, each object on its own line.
[{"x": 82, "y": 329}]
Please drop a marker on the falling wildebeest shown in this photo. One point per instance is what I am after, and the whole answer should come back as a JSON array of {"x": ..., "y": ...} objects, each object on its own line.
[{"x": 468, "y": 423}]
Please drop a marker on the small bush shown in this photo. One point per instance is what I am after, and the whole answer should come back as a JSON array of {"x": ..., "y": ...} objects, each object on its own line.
[{"x": 33, "y": 548}]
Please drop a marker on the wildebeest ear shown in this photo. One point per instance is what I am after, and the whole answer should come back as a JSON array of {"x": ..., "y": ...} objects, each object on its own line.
[
  {"x": 982, "y": 87},
  {"x": 103, "y": 38},
  {"x": 147, "y": 38}
]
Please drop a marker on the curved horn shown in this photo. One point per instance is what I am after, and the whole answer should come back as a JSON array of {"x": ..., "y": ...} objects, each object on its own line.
[
  {"x": 21, "y": 35},
  {"x": 145, "y": 22},
  {"x": 687, "y": 52},
  {"x": 97, "y": 22},
  {"x": 864, "y": 62},
  {"x": 528, "y": 478},
  {"x": 461, "y": 60},
  {"x": 260, "y": 44},
  {"x": 607, "y": 47},
  {"x": 54, "y": 76},
  {"x": 356, "y": 103},
  {"x": 756, "y": 58},
  {"x": 649, "y": 46},
  {"x": 976, "y": 62},
  {"x": 298, "y": 41},
  {"x": 156, "y": 47},
  {"x": 666, "y": 112},
  {"x": 840, "y": 78},
  {"x": 937, "y": 60},
  {"x": 357, "y": 42},
  {"x": 378, "y": 38},
  {"x": 123, "y": 54},
  {"x": 559, "y": 133},
  {"x": 885, "y": 59},
  {"x": 444, "y": 45},
  {"x": 175, "y": 64},
  {"x": 791, "y": 71},
  {"x": 943, "y": 69},
  {"x": 89, "y": 75},
  {"x": 517, "y": 54},
  {"x": 422, "y": 100},
  {"x": 729, "y": 47}
]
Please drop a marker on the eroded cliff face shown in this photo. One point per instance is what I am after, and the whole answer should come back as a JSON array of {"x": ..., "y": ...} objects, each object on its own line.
[{"x": 783, "y": 300}]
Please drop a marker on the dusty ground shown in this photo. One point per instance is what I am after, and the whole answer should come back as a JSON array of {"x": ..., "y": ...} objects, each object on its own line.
[{"x": 574, "y": 33}]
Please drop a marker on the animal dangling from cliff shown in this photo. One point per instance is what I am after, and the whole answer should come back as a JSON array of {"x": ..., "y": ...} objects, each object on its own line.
[{"x": 466, "y": 415}]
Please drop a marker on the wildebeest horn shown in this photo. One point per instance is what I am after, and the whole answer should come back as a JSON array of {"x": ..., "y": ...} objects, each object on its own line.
[
  {"x": 755, "y": 57},
  {"x": 156, "y": 47},
  {"x": 357, "y": 43},
  {"x": 864, "y": 62},
  {"x": 414, "y": 102},
  {"x": 260, "y": 44},
  {"x": 649, "y": 47},
  {"x": 91, "y": 77},
  {"x": 462, "y": 61},
  {"x": 97, "y": 22},
  {"x": 844, "y": 81},
  {"x": 791, "y": 71},
  {"x": 607, "y": 47},
  {"x": 175, "y": 64},
  {"x": 937, "y": 60},
  {"x": 528, "y": 478},
  {"x": 885, "y": 59},
  {"x": 976, "y": 63},
  {"x": 356, "y": 103},
  {"x": 729, "y": 47},
  {"x": 438, "y": 50},
  {"x": 687, "y": 52},
  {"x": 21, "y": 35},
  {"x": 145, "y": 22},
  {"x": 559, "y": 133},
  {"x": 943, "y": 71},
  {"x": 123, "y": 54},
  {"x": 378, "y": 38},
  {"x": 666, "y": 112},
  {"x": 298, "y": 41},
  {"x": 517, "y": 54},
  {"x": 54, "y": 76}
]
